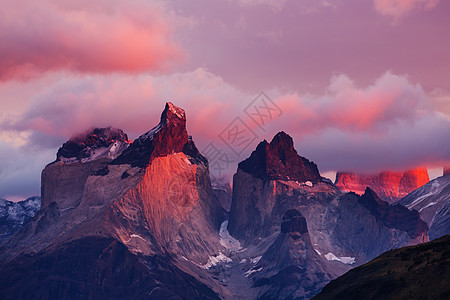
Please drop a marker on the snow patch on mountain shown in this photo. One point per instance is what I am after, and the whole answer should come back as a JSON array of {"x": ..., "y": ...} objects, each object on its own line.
[
  {"x": 344, "y": 259},
  {"x": 214, "y": 260},
  {"x": 251, "y": 271},
  {"x": 226, "y": 239},
  {"x": 255, "y": 260},
  {"x": 428, "y": 205},
  {"x": 149, "y": 135}
]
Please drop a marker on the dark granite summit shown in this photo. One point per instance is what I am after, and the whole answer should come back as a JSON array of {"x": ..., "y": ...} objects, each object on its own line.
[{"x": 278, "y": 160}]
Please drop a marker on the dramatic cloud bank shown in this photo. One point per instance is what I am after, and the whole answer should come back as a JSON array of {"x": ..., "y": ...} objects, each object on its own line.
[{"x": 81, "y": 36}]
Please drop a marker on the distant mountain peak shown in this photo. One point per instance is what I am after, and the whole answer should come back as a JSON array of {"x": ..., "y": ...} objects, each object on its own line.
[
  {"x": 388, "y": 185},
  {"x": 15, "y": 215},
  {"x": 278, "y": 160},
  {"x": 92, "y": 144}
]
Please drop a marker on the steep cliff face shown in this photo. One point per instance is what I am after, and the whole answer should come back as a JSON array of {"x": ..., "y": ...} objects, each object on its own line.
[
  {"x": 154, "y": 196},
  {"x": 63, "y": 181},
  {"x": 178, "y": 206},
  {"x": 441, "y": 222},
  {"x": 224, "y": 194},
  {"x": 389, "y": 186},
  {"x": 255, "y": 186}
]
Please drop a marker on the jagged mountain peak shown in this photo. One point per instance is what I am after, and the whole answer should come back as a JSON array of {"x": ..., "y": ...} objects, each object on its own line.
[
  {"x": 371, "y": 198},
  {"x": 394, "y": 216},
  {"x": 284, "y": 140},
  {"x": 169, "y": 136},
  {"x": 171, "y": 112},
  {"x": 92, "y": 144},
  {"x": 278, "y": 160}
]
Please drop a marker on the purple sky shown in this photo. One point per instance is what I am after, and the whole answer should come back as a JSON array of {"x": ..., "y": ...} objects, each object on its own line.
[{"x": 362, "y": 85}]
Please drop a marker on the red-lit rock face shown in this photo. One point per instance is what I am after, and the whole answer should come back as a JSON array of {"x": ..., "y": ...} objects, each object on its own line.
[
  {"x": 389, "y": 186},
  {"x": 169, "y": 136}
]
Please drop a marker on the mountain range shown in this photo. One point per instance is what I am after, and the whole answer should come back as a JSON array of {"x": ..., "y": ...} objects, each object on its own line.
[
  {"x": 15, "y": 215},
  {"x": 140, "y": 219}
]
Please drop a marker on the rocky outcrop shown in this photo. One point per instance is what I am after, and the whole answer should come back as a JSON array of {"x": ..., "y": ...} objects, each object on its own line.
[
  {"x": 432, "y": 201},
  {"x": 291, "y": 268},
  {"x": 389, "y": 186},
  {"x": 15, "y": 215},
  {"x": 417, "y": 272},
  {"x": 224, "y": 194}
]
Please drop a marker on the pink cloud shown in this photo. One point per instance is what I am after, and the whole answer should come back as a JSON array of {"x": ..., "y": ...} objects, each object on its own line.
[
  {"x": 392, "y": 98},
  {"x": 400, "y": 8},
  {"x": 104, "y": 37}
]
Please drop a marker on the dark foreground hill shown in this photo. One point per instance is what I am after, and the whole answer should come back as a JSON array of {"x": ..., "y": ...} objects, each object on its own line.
[{"x": 415, "y": 272}]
